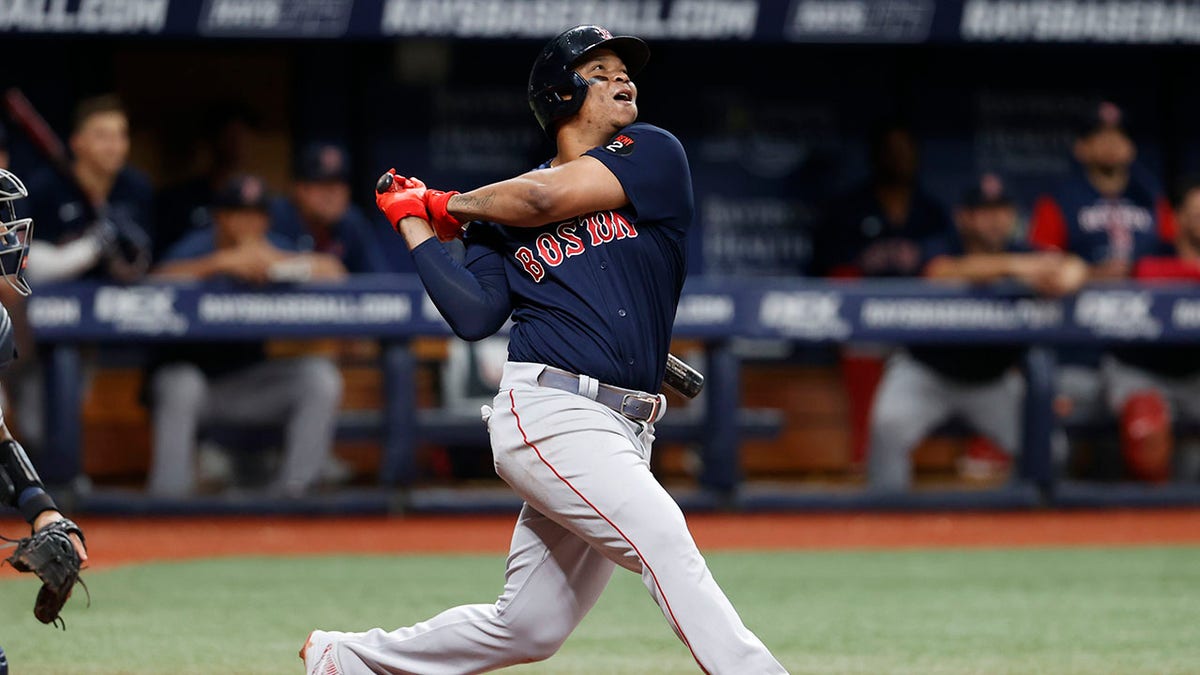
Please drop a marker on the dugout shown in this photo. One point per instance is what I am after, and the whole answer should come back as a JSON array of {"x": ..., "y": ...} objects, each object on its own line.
[{"x": 775, "y": 119}]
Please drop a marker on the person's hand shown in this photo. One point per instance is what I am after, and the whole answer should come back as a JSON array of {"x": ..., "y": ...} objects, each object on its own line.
[
  {"x": 1065, "y": 276},
  {"x": 404, "y": 198},
  {"x": 1113, "y": 269},
  {"x": 1041, "y": 271},
  {"x": 250, "y": 262},
  {"x": 46, "y": 517},
  {"x": 444, "y": 224}
]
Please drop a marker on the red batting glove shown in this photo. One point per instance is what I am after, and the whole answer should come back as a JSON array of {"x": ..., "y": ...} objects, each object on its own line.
[
  {"x": 404, "y": 198},
  {"x": 445, "y": 225}
]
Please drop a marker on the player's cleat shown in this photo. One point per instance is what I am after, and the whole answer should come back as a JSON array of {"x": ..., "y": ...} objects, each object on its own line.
[
  {"x": 307, "y": 644},
  {"x": 318, "y": 659}
]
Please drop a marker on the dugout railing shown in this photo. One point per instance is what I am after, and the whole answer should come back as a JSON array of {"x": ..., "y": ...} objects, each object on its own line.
[{"x": 713, "y": 312}]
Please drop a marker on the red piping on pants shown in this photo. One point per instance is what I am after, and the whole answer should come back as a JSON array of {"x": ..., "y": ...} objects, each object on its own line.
[{"x": 566, "y": 482}]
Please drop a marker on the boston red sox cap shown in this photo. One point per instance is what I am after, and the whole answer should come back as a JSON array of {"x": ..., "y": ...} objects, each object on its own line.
[
  {"x": 322, "y": 161},
  {"x": 988, "y": 190},
  {"x": 1099, "y": 115},
  {"x": 245, "y": 191}
]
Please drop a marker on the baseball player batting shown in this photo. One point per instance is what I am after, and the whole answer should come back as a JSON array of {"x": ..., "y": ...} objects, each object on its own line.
[{"x": 586, "y": 254}]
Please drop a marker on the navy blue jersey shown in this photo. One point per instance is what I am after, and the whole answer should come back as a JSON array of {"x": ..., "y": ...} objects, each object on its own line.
[
  {"x": 855, "y": 237},
  {"x": 969, "y": 364},
  {"x": 597, "y": 294},
  {"x": 1078, "y": 219},
  {"x": 56, "y": 206},
  {"x": 350, "y": 239},
  {"x": 951, "y": 244}
]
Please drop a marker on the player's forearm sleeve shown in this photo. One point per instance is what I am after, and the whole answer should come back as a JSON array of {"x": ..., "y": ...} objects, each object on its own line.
[
  {"x": 20, "y": 486},
  {"x": 475, "y": 308},
  {"x": 48, "y": 262}
]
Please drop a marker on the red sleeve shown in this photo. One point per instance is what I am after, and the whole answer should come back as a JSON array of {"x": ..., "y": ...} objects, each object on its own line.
[
  {"x": 1048, "y": 227},
  {"x": 1166, "y": 221},
  {"x": 845, "y": 272},
  {"x": 1166, "y": 268}
]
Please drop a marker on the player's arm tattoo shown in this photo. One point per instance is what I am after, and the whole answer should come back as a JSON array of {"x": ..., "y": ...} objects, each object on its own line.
[
  {"x": 519, "y": 202},
  {"x": 472, "y": 203}
]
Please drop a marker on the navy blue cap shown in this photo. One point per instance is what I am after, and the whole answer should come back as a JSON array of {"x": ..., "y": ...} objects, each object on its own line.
[
  {"x": 244, "y": 191},
  {"x": 318, "y": 161},
  {"x": 1100, "y": 115},
  {"x": 989, "y": 190}
]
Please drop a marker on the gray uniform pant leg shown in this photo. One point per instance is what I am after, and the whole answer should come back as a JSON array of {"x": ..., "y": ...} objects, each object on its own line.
[
  {"x": 553, "y": 578},
  {"x": 179, "y": 393},
  {"x": 911, "y": 401},
  {"x": 585, "y": 471},
  {"x": 1121, "y": 380},
  {"x": 302, "y": 395},
  {"x": 994, "y": 409}
]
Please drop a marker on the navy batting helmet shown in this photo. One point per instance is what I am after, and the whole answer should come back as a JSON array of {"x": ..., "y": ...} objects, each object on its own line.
[{"x": 553, "y": 76}]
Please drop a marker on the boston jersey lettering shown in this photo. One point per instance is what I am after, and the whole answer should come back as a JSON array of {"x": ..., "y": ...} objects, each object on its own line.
[{"x": 553, "y": 249}]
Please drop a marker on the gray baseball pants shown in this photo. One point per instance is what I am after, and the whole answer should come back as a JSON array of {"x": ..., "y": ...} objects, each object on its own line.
[
  {"x": 301, "y": 395},
  {"x": 913, "y": 400},
  {"x": 591, "y": 504}
]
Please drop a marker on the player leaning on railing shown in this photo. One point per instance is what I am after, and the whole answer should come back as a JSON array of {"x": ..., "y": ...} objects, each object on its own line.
[{"x": 55, "y": 550}]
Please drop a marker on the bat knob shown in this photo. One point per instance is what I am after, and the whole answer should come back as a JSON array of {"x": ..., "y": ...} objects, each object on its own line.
[{"x": 384, "y": 183}]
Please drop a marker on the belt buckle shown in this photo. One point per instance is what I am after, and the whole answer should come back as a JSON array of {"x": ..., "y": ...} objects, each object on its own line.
[{"x": 644, "y": 398}]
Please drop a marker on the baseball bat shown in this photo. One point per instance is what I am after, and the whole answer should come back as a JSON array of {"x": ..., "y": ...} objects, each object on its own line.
[
  {"x": 47, "y": 143},
  {"x": 133, "y": 261},
  {"x": 683, "y": 378},
  {"x": 384, "y": 182}
]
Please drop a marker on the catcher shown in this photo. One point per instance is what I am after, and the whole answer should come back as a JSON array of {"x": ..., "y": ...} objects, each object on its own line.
[{"x": 55, "y": 549}]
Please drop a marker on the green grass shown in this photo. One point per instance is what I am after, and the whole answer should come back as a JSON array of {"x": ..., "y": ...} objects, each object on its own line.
[{"x": 1094, "y": 611}]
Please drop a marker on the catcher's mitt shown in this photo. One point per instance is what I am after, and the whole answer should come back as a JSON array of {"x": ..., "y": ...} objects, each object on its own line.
[{"x": 50, "y": 554}]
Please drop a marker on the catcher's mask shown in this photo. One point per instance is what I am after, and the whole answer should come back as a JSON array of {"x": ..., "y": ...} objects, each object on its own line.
[
  {"x": 15, "y": 233},
  {"x": 555, "y": 90}
]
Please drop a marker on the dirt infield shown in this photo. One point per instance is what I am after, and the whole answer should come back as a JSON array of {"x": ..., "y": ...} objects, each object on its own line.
[{"x": 114, "y": 541}]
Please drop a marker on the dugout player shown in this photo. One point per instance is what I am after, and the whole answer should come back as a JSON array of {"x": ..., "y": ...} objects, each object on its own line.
[
  {"x": 924, "y": 386},
  {"x": 192, "y": 385},
  {"x": 228, "y": 138},
  {"x": 318, "y": 215},
  {"x": 587, "y": 254},
  {"x": 20, "y": 486},
  {"x": 1149, "y": 388},
  {"x": 70, "y": 246},
  {"x": 1110, "y": 214},
  {"x": 876, "y": 230}
]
